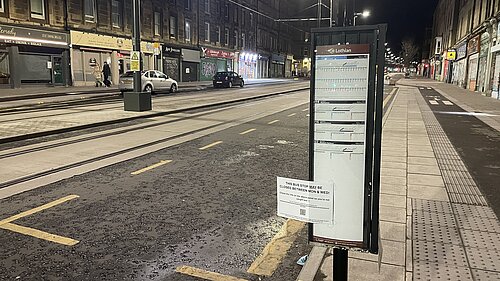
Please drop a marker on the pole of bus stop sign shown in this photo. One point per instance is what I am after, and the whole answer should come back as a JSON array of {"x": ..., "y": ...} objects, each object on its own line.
[
  {"x": 340, "y": 264},
  {"x": 137, "y": 43},
  {"x": 137, "y": 100}
]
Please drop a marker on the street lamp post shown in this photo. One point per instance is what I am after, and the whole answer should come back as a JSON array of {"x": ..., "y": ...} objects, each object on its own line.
[
  {"x": 136, "y": 100},
  {"x": 364, "y": 14}
]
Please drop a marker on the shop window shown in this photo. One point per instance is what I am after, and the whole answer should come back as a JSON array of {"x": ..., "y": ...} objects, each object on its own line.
[
  {"x": 207, "y": 31},
  {"x": 4, "y": 68},
  {"x": 217, "y": 34},
  {"x": 116, "y": 13},
  {"x": 37, "y": 9},
  {"x": 173, "y": 27},
  {"x": 187, "y": 31},
  {"x": 89, "y": 10},
  {"x": 207, "y": 6},
  {"x": 157, "y": 20}
]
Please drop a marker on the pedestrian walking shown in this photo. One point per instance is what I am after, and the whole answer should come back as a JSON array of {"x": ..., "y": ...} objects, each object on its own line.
[
  {"x": 97, "y": 73},
  {"x": 106, "y": 71}
]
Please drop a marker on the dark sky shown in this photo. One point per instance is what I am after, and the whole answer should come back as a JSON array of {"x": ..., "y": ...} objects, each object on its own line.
[{"x": 405, "y": 18}]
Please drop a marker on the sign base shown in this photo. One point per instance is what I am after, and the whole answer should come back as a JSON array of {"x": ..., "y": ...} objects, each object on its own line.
[{"x": 137, "y": 101}]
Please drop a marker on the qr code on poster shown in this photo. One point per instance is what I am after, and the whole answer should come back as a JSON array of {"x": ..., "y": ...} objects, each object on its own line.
[{"x": 302, "y": 212}]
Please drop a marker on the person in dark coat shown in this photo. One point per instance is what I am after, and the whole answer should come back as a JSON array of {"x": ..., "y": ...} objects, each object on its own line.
[{"x": 106, "y": 71}]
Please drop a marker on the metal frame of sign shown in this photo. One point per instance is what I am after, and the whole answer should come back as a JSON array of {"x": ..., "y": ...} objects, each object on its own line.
[{"x": 374, "y": 36}]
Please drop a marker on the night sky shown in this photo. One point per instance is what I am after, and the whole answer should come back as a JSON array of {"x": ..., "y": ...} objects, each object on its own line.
[{"x": 405, "y": 18}]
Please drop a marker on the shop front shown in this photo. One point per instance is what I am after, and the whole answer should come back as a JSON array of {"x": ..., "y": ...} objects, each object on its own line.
[
  {"x": 172, "y": 62},
  {"x": 262, "y": 66},
  {"x": 90, "y": 51},
  {"x": 482, "y": 84},
  {"x": 288, "y": 66},
  {"x": 33, "y": 56},
  {"x": 213, "y": 61},
  {"x": 473, "y": 60},
  {"x": 460, "y": 66},
  {"x": 277, "y": 66},
  {"x": 190, "y": 65},
  {"x": 248, "y": 65}
]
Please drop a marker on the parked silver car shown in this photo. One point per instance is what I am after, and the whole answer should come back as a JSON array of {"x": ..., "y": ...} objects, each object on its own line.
[{"x": 152, "y": 81}]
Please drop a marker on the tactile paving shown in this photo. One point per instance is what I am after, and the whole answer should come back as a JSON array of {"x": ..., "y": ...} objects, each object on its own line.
[
  {"x": 483, "y": 258},
  {"x": 478, "y": 223},
  {"x": 442, "y": 219},
  {"x": 436, "y": 233},
  {"x": 482, "y": 275},
  {"x": 439, "y": 253},
  {"x": 474, "y": 211},
  {"x": 481, "y": 239},
  {"x": 424, "y": 270},
  {"x": 431, "y": 206}
]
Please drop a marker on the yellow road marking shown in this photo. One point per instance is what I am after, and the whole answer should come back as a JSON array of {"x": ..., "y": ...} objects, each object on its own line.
[
  {"x": 274, "y": 121},
  {"x": 207, "y": 275},
  {"x": 247, "y": 131},
  {"x": 386, "y": 100},
  {"x": 162, "y": 162},
  {"x": 38, "y": 209},
  {"x": 210, "y": 145},
  {"x": 305, "y": 109},
  {"x": 290, "y": 115},
  {"x": 267, "y": 262},
  {"x": 39, "y": 234}
]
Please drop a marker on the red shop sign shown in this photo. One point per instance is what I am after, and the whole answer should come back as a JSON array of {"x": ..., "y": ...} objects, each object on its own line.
[{"x": 218, "y": 54}]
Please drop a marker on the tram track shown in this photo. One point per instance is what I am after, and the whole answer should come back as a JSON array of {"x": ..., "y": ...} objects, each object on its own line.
[{"x": 215, "y": 108}]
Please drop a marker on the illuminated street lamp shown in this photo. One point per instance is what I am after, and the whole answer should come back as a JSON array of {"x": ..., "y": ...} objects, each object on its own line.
[{"x": 364, "y": 14}]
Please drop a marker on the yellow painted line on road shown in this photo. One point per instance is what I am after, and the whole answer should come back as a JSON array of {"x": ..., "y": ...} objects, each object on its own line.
[
  {"x": 161, "y": 163},
  {"x": 39, "y": 234},
  {"x": 207, "y": 275},
  {"x": 210, "y": 145},
  {"x": 274, "y": 121},
  {"x": 293, "y": 114},
  {"x": 386, "y": 100},
  {"x": 247, "y": 131},
  {"x": 274, "y": 252},
  {"x": 38, "y": 209}
]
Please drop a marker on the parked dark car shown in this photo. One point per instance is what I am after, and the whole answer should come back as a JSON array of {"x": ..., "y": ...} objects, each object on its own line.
[{"x": 227, "y": 79}]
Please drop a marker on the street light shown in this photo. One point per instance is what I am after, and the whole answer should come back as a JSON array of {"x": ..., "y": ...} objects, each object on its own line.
[{"x": 364, "y": 14}]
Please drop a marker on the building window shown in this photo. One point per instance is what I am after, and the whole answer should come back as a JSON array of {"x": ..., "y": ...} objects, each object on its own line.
[
  {"x": 157, "y": 20},
  {"x": 226, "y": 36},
  {"x": 37, "y": 9},
  {"x": 173, "y": 27},
  {"x": 207, "y": 31},
  {"x": 89, "y": 10},
  {"x": 251, "y": 19},
  {"x": 187, "y": 4},
  {"x": 207, "y": 6},
  {"x": 217, "y": 34},
  {"x": 2, "y": 9},
  {"x": 187, "y": 31},
  {"x": 226, "y": 11},
  {"x": 236, "y": 39},
  {"x": 243, "y": 40},
  {"x": 116, "y": 13}
]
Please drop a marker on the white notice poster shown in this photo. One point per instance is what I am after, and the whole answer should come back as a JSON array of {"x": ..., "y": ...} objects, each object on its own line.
[{"x": 305, "y": 200}]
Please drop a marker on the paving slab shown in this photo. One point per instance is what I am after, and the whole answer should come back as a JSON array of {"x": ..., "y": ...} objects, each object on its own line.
[{"x": 427, "y": 192}]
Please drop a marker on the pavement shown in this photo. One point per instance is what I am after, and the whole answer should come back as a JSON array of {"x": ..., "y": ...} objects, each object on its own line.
[{"x": 436, "y": 215}]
